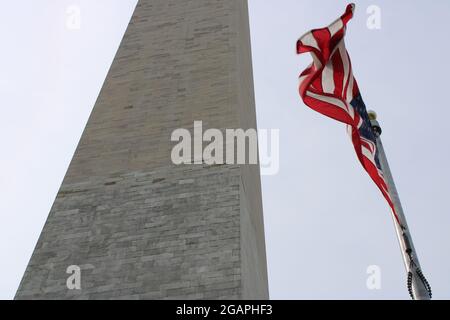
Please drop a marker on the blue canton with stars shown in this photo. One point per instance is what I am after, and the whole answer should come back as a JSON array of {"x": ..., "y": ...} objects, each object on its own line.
[{"x": 366, "y": 130}]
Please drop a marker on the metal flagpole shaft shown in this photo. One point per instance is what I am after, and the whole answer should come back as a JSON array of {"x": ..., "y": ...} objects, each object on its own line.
[{"x": 418, "y": 286}]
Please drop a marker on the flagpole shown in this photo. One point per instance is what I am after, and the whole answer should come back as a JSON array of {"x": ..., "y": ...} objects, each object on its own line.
[{"x": 418, "y": 286}]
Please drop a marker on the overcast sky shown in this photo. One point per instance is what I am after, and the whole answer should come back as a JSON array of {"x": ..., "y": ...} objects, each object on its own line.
[{"x": 326, "y": 222}]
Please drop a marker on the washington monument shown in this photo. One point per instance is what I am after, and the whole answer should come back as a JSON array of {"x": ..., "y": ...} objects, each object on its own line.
[{"x": 127, "y": 222}]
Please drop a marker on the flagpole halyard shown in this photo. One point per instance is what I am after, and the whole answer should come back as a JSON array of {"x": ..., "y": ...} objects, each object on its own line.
[{"x": 418, "y": 286}]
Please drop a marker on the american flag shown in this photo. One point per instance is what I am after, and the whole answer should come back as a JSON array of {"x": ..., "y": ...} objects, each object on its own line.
[{"x": 329, "y": 87}]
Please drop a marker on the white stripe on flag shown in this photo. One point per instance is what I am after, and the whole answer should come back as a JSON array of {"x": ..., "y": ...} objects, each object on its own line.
[
  {"x": 346, "y": 64},
  {"x": 335, "y": 27},
  {"x": 328, "y": 78},
  {"x": 317, "y": 63},
  {"x": 351, "y": 111},
  {"x": 351, "y": 83},
  {"x": 330, "y": 100},
  {"x": 368, "y": 154},
  {"x": 309, "y": 40}
]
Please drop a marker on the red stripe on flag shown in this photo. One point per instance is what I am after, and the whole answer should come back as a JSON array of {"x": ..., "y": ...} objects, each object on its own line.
[{"x": 338, "y": 73}]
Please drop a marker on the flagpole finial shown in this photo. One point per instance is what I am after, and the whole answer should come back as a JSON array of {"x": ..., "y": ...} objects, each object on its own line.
[
  {"x": 374, "y": 122},
  {"x": 372, "y": 115}
]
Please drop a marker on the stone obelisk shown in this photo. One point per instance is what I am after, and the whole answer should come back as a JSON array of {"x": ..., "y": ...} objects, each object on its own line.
[{"x": 136, "y": 225}]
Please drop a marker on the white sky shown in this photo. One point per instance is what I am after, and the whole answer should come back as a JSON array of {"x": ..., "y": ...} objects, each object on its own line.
[{"x": 326, "y": 222}]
